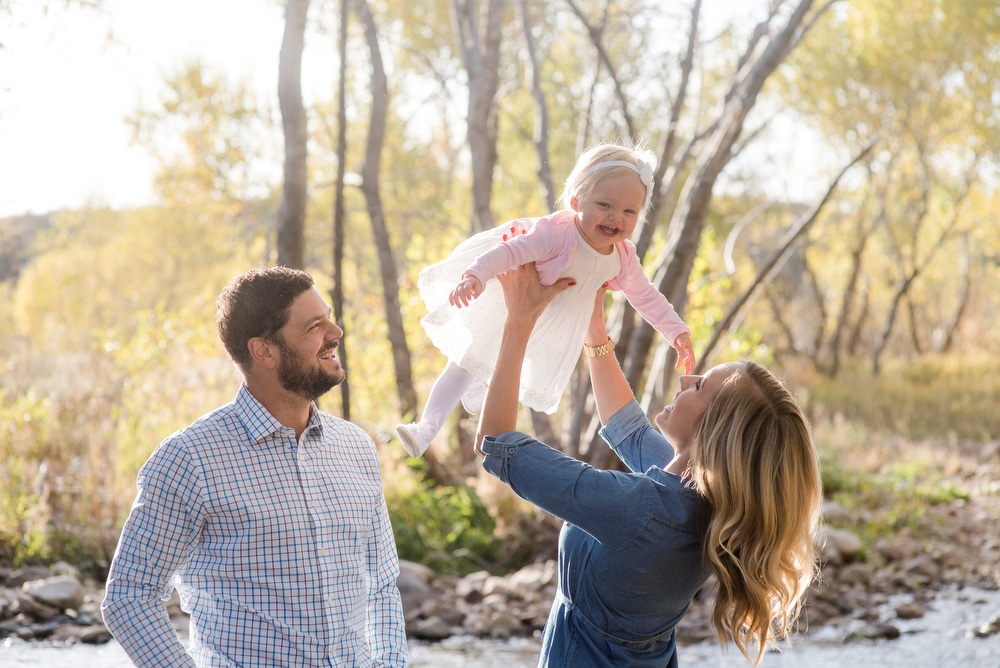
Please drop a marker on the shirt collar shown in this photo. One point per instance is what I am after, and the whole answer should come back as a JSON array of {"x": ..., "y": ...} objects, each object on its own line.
[{"x": 258, "y": 421}]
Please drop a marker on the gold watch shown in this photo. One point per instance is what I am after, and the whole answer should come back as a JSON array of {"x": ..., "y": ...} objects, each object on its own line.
[{"x": 599, "y": 351}]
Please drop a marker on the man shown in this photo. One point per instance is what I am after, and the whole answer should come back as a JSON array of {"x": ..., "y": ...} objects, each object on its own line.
[{"x": 266, "y": 514}]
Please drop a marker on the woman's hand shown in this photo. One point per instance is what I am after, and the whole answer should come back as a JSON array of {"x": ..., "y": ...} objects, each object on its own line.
[
  {"x": 468, "y": 288},
  {"x": 525, "y": 296}
]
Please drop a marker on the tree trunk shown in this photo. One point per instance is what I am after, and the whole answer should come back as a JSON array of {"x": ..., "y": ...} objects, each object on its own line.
[
  {"x": 861, "y": 238},
  {"x": 688, "y": 221},
  {"x": 948, "y": 339},
  {"x": 370, "y": 187},
  {"x": 337, "y": 291},
  {"x": 596, "y": 38},
  {"x": 481, "y": 58},
  {"x": 292, "y": 212},
  {"x": 773, "y": 265}
]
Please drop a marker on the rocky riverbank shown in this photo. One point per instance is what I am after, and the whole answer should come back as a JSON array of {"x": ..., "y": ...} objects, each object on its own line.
[{"x": 959, "y": 547}]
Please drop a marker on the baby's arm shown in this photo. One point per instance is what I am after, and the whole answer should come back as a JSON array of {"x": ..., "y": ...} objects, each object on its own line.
[{"x": 470, "y": 287}]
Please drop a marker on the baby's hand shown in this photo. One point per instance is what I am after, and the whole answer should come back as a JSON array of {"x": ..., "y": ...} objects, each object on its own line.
[
  {"x": 685, "y": 352},
  {"x": 467, "y": 289}
]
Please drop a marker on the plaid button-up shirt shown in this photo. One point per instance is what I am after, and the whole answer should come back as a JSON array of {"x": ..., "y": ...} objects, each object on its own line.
[{"x": 282, "y": 551}]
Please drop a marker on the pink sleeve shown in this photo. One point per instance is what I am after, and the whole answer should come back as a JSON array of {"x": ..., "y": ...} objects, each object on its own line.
[
  {"x": 646, "y": 299},
  {"x": 534, "y": 245}
]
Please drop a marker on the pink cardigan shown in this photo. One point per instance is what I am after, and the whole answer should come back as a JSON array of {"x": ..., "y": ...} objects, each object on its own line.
[{"x": 550, "y": 243}]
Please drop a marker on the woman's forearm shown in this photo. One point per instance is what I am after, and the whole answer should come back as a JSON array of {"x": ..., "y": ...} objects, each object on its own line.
[
  {"x": 611, "y": 390},
  {"x": 499, "y": 412},
  {"x": 526, "y": 298}
]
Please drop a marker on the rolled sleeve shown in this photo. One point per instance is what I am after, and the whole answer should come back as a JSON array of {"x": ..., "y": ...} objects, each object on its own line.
[
  {"x": 499, "y": 450},
  {"x": 637, "y": 443}
]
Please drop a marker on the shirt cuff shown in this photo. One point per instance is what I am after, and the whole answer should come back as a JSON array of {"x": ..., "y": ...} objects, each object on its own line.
[
  {"x": 500, "y": 449},
  {"x": 622, "y": 424}
]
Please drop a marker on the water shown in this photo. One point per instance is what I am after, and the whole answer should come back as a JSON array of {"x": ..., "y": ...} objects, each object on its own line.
[{"x": 941, "y": 638}]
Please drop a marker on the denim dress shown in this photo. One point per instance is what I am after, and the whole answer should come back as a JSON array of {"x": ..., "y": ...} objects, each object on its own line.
[{"x": 630, "y": 555}]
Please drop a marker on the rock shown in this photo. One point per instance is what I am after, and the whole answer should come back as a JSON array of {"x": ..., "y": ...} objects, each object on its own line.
[
  {"x": 32, "y": 607},
  {"x": 413, "y": 584},
  {"x": 878, "y": 631},
  {"x": 470, "y": 587},
  {"x": 503, "y": 625},
  {"x": 910, "y": 611},
  {"x": 411, "y": 571},
  {"x": 922, "y": 566},
  {"x": 834, "y": 513},
  {"x": 535, "y": 576},
  {"x": 839, "y": 545},
  {"x": 95, "y": 634},
  {"x": 857, "y": 574},
  {"x": 496, "y": 585},
  {"x": 433, "y": 628},
  {"x": 986, "y": 629},
  {"x": 897, "y": 550},
  {"x": 60, "y": 591},
  {"x": 19, "y": 576}
]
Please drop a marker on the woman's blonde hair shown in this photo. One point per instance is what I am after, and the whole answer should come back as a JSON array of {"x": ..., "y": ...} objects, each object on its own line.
[
  {"x": 754, "y": 461},
  {"x": 587, "y": 172}
]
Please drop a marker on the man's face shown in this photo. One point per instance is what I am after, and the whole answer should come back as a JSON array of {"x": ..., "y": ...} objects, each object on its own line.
[{"x": 308, "y": 344}]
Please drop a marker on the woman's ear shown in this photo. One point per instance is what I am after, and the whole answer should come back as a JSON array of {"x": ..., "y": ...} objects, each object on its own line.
[{"x": 261, "y": 352}]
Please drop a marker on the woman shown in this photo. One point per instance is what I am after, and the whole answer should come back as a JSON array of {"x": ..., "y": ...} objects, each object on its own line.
[{"x": 730, "y": 488}]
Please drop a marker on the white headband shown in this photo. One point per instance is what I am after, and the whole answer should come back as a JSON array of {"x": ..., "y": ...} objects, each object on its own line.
[{"x": 644, "y": 170}]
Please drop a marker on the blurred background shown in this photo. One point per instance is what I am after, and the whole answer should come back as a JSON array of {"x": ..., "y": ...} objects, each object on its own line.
[{"x": 826, "y": 203}]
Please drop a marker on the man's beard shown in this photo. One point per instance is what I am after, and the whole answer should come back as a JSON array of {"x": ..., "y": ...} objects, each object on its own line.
[{"x": 309, "y": 383}]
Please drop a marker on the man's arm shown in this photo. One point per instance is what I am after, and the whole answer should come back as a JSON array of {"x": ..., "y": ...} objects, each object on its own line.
[
  {"x": 386, "y": 628},
  {"x": 155, "y": 542}
]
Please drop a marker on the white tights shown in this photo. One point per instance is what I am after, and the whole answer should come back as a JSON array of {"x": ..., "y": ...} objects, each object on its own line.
[{"x": 447, "y": 391}]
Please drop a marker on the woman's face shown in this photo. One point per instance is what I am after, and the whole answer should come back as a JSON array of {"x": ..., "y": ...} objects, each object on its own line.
[{"x": 679, "y": 421}]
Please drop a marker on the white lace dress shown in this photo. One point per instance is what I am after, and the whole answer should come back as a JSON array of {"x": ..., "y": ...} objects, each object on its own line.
[{"x": 470, "y": 336}]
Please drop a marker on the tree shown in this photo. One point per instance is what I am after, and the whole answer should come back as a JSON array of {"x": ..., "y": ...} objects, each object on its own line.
[
  {"x": 294, "y": 194},
  {"x": 337, "y": 291},
  {"x": 480, "y": 51},
  {"x": 920, "y": 73},
  {"x": 370, "y": 174},
  {"x": 758, "y": 62}
]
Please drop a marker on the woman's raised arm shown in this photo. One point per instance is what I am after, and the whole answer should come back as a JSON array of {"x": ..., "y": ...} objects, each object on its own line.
[
  {"x": 526, "y": 299},
  {"x": 611, "y": 389}
]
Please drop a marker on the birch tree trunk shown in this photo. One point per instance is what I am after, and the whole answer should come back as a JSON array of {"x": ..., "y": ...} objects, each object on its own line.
[
  {"x": 480, "y": 51},
  {"x": 337, "y": 291},
  {"x": 370, "y": 187},
  {"x": 292, "y": 212},
  {"x": 688, "y": 221}
]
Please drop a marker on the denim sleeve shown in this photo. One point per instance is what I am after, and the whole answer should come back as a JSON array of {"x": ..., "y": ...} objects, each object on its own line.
[
  {"x": 612, "y": 506},
  {"x": 637, "y": 443}
]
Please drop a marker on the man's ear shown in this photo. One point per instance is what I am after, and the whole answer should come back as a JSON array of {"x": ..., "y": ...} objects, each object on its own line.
[{"x": 262, "y": 352}]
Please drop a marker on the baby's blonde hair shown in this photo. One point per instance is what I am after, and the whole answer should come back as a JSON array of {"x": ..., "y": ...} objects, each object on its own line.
[{"x": 584, "y": 176}]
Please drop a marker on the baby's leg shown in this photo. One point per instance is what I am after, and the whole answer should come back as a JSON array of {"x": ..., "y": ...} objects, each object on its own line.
[{"x": 447, "y": 391}]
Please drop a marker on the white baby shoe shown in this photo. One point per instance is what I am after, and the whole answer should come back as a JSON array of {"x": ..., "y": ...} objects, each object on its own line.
[
  {"x": 414, "y": 437},
  {"x": 472, "y": 401}
]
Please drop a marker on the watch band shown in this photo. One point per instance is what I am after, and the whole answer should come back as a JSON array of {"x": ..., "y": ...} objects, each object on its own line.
[{"x": 599, "y": 351}]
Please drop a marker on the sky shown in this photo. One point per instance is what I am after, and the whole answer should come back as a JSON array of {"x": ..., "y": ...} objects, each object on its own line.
[{"x": 68, "y": 80}]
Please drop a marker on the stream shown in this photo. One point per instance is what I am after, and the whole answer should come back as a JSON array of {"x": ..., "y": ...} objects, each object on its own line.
[{"x": 943, "y": 637}]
